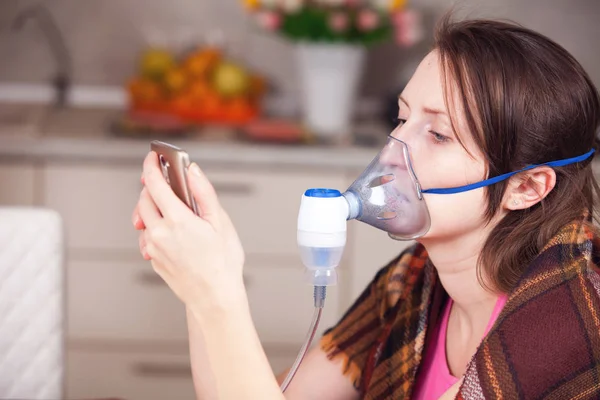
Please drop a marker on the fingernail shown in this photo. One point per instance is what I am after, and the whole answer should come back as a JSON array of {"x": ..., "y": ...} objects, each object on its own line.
[{"x": 195, "y": 169}]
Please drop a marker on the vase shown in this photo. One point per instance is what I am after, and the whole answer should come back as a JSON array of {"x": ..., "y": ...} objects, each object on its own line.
[{"x": 329, "y": 75}]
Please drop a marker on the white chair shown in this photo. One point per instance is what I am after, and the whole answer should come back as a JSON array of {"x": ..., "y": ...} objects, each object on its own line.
[{"x": 32, "y": 321}]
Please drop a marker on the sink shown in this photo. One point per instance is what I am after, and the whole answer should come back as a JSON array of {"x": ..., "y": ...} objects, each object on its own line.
[{"x": 21, "y": 120}]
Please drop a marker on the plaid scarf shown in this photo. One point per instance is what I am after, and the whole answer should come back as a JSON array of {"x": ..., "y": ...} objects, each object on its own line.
[{"x": 545, "y": 343}]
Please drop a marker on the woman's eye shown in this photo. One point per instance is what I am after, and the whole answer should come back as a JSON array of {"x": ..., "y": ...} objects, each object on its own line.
[{"x": 438, "y": 138}]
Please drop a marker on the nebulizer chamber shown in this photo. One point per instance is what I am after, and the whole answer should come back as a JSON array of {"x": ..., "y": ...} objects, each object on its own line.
[{"x": 386, "y": 196}]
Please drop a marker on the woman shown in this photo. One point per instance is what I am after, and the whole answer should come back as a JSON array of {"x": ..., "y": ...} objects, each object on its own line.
[{"x": 501, "y": 297}]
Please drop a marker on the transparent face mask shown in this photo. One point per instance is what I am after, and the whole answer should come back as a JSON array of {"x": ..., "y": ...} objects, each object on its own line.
[{"x": 387, "y": 195}]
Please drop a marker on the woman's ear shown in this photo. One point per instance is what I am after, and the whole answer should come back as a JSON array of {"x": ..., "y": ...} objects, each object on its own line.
[{"x": 528, "y": 188}]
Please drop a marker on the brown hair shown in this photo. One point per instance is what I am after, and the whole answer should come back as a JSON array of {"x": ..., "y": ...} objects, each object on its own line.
[{"x": 526, "y": 101}]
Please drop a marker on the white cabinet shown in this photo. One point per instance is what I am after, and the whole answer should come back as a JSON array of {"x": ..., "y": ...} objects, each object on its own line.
[
  {"x": 121, "y": 300},
  {"x": 132, "y": 375},
  {"x": 115, "y": 300},
  {"x": 96, "y": 202},
  {"x": 127, "y": 301},
  {"x": 17, "y": 184},
  {"x": 129, "y": 375}
]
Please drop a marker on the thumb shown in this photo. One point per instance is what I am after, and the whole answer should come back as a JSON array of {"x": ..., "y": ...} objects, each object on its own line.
[{"x": 204, "y": 193}]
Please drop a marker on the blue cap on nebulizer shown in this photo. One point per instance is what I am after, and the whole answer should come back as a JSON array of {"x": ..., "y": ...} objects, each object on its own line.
[
  {"x": 322, "y": 234},
  {"x": 322, "y": 193}
]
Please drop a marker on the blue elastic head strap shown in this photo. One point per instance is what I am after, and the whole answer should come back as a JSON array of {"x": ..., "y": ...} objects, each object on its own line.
[{"x": 496, "y": 179}]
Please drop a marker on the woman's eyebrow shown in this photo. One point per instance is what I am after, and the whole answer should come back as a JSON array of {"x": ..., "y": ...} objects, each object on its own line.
[{"x": 428, "y": 110}]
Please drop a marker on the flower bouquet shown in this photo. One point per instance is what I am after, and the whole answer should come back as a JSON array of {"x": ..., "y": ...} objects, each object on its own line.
[
  {"x": 359, "y": 22},
  {"x": 330, "y": 39}
]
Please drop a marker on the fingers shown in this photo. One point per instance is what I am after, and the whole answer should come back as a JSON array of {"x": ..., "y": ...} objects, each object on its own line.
[
  {"x": 167, "y": 202},
  {"x": 136, "y": 220},
  {"x": 142, "y": 244},
  {"x": 204, "y": 193},
  {"x": 147, "y": 209}
]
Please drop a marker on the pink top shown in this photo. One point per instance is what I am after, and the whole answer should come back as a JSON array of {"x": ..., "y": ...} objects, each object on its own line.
[{"x": 435, "y": 378}]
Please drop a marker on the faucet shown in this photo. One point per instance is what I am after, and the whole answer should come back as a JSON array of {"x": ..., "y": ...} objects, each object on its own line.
[{"x": 62, "y": 80}]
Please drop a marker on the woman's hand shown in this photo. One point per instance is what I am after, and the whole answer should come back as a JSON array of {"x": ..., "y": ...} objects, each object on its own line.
[{"x": 200, "y": 258}]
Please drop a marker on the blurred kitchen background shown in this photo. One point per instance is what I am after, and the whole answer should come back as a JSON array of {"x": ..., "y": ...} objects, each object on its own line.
[{"x": 84, "y": 87}]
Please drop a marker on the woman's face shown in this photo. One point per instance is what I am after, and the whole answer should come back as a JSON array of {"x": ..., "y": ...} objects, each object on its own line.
[{"x": 438, "y": 158}]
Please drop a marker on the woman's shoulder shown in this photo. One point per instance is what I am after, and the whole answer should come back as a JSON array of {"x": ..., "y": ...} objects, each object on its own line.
[
  {"x": 548, "y": 339},
  {"x": 550, "y": 319}
]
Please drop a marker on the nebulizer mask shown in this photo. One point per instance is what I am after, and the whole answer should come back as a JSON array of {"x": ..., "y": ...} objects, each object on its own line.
[{"x": 387, "y": 196}]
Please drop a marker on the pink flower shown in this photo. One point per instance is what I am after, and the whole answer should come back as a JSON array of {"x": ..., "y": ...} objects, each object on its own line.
[
  {"x": 338, "y": 21},
  {"x": 367, "y": 20},
  {"x": 408, "y": 27},
  {"x": 269, "y": 20}
]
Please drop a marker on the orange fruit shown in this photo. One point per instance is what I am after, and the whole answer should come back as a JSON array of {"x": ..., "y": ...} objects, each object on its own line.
[
  {"x": 213, "y": 107},
  {"x": 240, "y": 110},
  {"x": 181, "y": 106},
  {"x": 144, "y": 91},
  {"x": 200, "y": 89},
  {"x": 201, "y": 63},
  {"x": 175, "y": 80}
]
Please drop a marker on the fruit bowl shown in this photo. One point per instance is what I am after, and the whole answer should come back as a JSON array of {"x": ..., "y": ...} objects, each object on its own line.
[{"x": 201, "y": 87}]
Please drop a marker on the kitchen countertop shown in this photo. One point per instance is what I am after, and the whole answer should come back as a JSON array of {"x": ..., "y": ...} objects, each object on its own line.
[{"x": 83, "y": 134}]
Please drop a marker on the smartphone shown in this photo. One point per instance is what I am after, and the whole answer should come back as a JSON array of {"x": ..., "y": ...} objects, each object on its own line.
[{"x": 174, "y": 163}]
